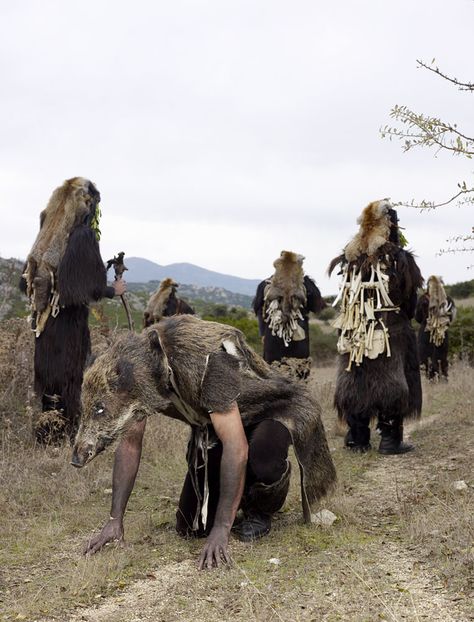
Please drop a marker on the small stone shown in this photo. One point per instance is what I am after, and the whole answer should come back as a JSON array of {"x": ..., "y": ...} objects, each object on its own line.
[
  {"x": 325, "y": 518},
  {"x": 275, "y": 561},
  {"x": 460, "y": 485},
  {"x": 107, "y": 491}
]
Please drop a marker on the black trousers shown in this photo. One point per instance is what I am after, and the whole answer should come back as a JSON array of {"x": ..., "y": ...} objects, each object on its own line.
[{"x": 267, "y": 462}]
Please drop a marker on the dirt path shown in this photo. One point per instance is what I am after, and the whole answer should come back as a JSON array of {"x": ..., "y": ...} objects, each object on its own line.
[{"x": 395, "y": 553}]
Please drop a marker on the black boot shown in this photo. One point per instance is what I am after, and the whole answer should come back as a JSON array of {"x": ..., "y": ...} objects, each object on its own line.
[
  {"x": 253, "y": 526},
  {"x": 258, "y": 505},
  {"x": 392, "y": 442},
  {"x": 357, "y": 440}
]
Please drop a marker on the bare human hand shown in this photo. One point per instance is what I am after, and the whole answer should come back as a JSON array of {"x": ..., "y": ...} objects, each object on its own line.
[
  {"x": 215, "y": 549},
  {"x": 112, "y": 531},
  {"x": 120, "y": 287}
]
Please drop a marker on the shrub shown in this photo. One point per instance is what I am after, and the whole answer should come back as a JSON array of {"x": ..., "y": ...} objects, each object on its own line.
[
  {"x": 327, "y": 314},
  {"x": 461, "y": 334},
  {"x": 322, "y": 344}
]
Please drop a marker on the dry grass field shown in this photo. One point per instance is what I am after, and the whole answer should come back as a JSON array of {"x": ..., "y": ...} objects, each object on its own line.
[{"x": 401, "y": 549}]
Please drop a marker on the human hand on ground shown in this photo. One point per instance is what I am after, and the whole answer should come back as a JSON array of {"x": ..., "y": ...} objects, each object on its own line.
[
  {"x": 215, "y": 550},
  {"x": 112, "y": 531}
]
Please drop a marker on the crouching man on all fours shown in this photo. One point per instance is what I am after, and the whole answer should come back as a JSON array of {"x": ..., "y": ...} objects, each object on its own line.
[
  {"x": 378, "y": 371},
  {"x": 243, "y": 417}
]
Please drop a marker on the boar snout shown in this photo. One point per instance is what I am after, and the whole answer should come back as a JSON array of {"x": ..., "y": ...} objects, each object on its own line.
[{"x": 82, "y": 455}]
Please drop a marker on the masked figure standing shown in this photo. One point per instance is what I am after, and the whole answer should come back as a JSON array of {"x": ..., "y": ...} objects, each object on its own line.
[
  {"x": 435, "y": 312},
  {"x": 378, "y": 370},
  {"x": 282, "y": 304},
  {"x": 64, "y": 272},
  {"x": 164, "y": 302}
]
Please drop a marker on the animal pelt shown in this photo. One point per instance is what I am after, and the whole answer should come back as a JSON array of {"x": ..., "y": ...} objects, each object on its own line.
[
  {"x": 274, "y": 348},
  {"x": 433, "y": 356},
  {"x": 387, "y": 385},
  {"x": 374, "y": 230},
  {"x": 164, "y": 303},
  {"x": 71, "y": 205},
  {"x": 294, "y": 368},
  {"x": 200, "y": 367},
  {"x": 285, "y": 296},
  {"x": 436, "y": 293},
  {"x": 382, "y": 388}
]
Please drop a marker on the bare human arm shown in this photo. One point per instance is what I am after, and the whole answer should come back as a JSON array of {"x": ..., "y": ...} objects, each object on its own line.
[
  {"x": 126, "y": 463},
  {"x": 228, "y": 427}
]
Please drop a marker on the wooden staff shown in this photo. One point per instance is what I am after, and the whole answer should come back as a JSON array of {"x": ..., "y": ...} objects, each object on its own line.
[{"x": 119, "y": 269}]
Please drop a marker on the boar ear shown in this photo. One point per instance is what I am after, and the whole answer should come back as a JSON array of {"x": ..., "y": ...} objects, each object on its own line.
[
  {"x": 126, "y": 377},
  {"x": 155, "y": 343}
]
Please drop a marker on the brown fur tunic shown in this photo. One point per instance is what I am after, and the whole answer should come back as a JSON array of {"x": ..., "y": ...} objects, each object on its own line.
[
  {"x": 213, "y": 366},
  {"x": 200, "y": 367}
]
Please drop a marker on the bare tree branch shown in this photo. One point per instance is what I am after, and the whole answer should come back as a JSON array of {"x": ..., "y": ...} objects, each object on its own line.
[
  {"x": 419, "y": 130},
  {"x": 467, "y": 193},
  {"x": 463, "y": 86},
  {"x": 426, "y": 131}
]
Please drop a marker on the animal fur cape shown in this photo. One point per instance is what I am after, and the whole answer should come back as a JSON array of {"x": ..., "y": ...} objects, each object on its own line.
[
  {"x": 68, "y": 207},
  {"x": 384, "y": 386},
  {"x": 373, "y": 233},
  {"x": 285, "y": 296},
  {"x": 156, "y": 306},
  {"x": 186, "y": 368},
  {"x": 211, "y": 365}
]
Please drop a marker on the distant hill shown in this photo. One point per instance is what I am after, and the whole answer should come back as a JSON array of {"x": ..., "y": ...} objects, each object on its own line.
[
  {"x": 15, "y": 304},
  {"x": 142, "y": 270},
  {"x": 191, "y": 293}
]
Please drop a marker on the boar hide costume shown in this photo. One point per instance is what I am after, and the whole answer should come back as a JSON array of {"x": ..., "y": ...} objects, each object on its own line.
[
  {"x": 435, "y": 311},
  {"x": 164, "y": 303},
  {"x": 63, "y": 273},
  {"x": 378, "y": 371},
  {"x": 282, "y": 304},
  {"x": 187, "y": 368}
]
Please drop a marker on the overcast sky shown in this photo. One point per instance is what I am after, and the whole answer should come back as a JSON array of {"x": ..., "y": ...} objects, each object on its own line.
[{"x": 222, "y": 132}]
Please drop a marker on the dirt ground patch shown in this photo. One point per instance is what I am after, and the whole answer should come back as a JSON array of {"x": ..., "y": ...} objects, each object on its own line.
[{"x": 401, "y": 549}]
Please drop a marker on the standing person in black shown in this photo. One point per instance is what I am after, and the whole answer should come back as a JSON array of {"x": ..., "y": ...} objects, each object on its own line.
[
  {"x": 378, "y": 374},
  {"x": 64, "y": 272},
  {"x": 282, "y": 304}
]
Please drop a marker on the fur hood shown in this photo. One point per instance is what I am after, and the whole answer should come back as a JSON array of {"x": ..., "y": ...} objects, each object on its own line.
[
  {"x": 436, "y": 292},
  {"x": 285, "y": 295},
  {"x": 159, "y": 299},
  {"x": 288, "y": 276},
  {"x": 374, "y": 230},
  {"x": 69, "y": 206}
]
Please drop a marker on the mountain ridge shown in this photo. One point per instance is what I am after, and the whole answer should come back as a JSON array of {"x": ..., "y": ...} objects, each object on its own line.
[{"x": 142, "y": 270}]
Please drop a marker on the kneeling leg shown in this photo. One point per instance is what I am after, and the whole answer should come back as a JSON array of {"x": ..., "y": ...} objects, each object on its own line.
[{"x": 268, "y": 479}]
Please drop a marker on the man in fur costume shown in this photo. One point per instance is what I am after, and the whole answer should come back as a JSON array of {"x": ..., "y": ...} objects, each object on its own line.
[
  {"x": 282, "y": 305},
  {"x": 435, "y": 311},
  {"x": 243, "y": 416},
  {"x": 378, "y": 374},
  {"x": 164, "y": 303},
  {"x": 63, "y": 273}
]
